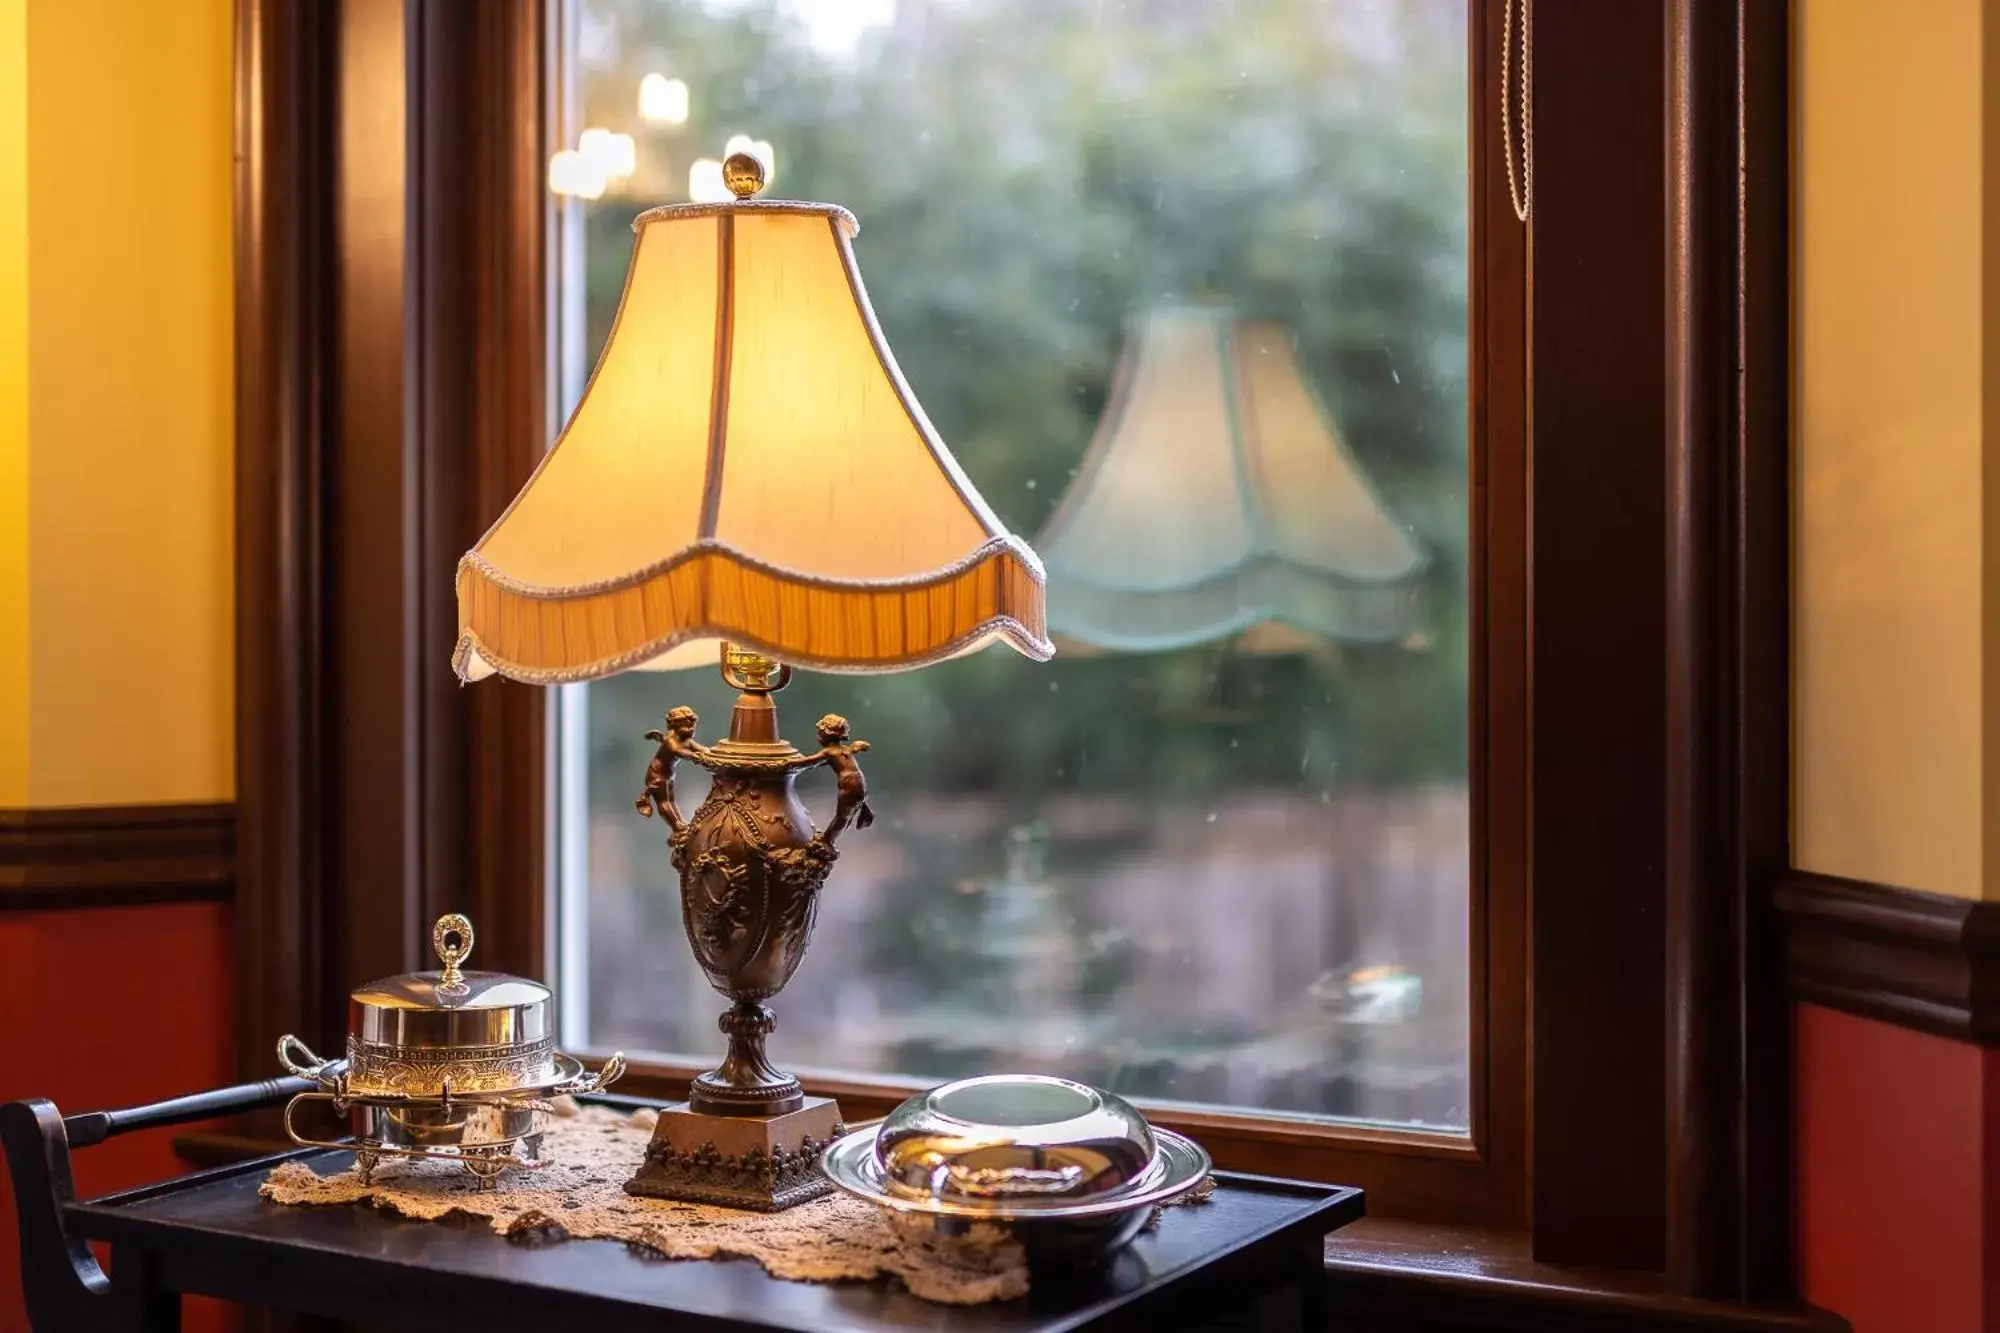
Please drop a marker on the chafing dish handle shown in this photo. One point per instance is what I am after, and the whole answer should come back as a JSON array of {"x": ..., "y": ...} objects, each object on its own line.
[
  {"x": 93, "y": 1127},
  {"x": 298, "y": 1058},
  {"x": 608, "y": 1073}
]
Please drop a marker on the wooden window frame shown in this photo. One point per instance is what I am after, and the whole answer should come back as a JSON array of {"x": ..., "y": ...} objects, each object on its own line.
[{"x": 1628, "y": 503}]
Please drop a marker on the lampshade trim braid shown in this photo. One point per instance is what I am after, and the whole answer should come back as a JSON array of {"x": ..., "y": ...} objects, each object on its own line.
[
  {"x": 1126, "y": 620},
  {"x": 1029, "y": 639},
  {"x": 1024, "y": 640},
  {"x": 842, "y": 220},
  {"x": 472, "y": 560}
]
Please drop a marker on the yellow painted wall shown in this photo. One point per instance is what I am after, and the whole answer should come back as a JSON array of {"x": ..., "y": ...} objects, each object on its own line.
[
  {"x": 13, "y": 403},
  {"x": 1890, "y": 715},
  {"x": 129, "y": 401}
]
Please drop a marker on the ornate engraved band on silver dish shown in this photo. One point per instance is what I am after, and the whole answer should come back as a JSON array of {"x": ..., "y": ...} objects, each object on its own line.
[{"x": 375, "y": 1067}]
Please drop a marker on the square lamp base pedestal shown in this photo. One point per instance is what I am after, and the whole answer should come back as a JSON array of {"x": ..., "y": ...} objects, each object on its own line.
[{"x": 761, "y": 1163}]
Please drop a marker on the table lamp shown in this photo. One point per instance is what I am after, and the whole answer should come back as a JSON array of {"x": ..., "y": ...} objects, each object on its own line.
[
  {"x": 746, "y": 480},
  {"x": 1217, "y": 500}
]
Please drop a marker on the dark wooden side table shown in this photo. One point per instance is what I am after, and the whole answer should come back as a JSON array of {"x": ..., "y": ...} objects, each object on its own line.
[{"x": 1250, "y": 1259}]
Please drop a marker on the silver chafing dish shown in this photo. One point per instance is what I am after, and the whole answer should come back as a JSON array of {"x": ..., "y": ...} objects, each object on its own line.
[
  {"x": 450, "y": 1064},
  {"x": 1070, "y": 1172}
]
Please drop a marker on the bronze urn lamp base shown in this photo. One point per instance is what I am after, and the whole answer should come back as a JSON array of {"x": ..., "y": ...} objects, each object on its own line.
[{"x": 751, "y": 867}]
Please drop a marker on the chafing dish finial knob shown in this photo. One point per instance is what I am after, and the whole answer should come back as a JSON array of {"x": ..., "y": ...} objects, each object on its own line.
[{"x": 452, "y": 938}]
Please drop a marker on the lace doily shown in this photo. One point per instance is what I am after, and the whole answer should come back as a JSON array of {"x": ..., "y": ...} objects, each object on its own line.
[{"x": 581, "y": 1194}]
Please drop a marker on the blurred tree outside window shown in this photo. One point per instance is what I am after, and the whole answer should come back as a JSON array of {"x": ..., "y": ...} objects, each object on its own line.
[{"x": 1233, "y": 872}]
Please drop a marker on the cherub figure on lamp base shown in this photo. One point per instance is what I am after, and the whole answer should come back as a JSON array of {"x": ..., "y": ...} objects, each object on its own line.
[
  {"x": 837, "y": 753},
  {"x": 676, "y": 743}
]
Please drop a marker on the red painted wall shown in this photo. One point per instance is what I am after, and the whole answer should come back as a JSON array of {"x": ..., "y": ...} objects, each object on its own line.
[
  {"x": 1898, "y": 1180},
  {"x": 113, "y": 1007}
]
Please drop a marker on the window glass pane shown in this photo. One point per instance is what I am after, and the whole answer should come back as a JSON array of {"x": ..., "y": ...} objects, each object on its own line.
[{"x": 1217, "y": 851}]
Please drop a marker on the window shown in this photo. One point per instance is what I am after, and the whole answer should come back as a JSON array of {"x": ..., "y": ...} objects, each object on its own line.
[
  {"x": 1624, "y": 625},
  {"x": 1219, "y": 851}
]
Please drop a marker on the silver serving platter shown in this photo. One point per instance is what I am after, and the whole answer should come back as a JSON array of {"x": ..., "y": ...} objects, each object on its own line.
[{"x": 1067, "y": 1171}]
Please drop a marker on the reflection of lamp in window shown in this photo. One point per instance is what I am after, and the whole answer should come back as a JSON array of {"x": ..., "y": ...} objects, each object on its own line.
[
  {"x": 1218, "y": 500},
  {"x": 747, "y": 472}
]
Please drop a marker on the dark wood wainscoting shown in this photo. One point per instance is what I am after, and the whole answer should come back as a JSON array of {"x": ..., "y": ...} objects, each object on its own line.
[
  {"x": 1919, "y": 960},
  {"x": 1390, "y": 1277},
  {"x": 116, "y": 855}
]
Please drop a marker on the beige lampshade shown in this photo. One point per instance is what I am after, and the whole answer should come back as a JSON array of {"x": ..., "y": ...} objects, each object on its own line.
[
  {"x": 1218, "y": 499},
  {"x": 746, "y": 464}
]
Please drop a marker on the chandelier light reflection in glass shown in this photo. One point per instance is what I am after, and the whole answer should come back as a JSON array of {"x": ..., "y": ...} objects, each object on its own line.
[
  {"x": 1218, "y": 500},
  {"x": 747, "y": 479}
]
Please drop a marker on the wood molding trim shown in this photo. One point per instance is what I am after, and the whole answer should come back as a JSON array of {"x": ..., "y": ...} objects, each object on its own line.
[
  {"x": 1658, "y": 403},
  {"x": 116, "y": 855},
  {"x": 479, "y": 243},
  {"x": 1597, "y": 626},
  {"x": 391, "y": 379},
  {"x": 1383, "y": 1277},
  {"x": 1728, "y": 680},
  {"x": 1918, "y": 960},
  {"x": 283, "y": 374}
]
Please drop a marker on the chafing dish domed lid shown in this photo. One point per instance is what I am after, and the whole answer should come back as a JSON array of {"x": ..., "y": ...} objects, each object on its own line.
[
  {"x": 1014, "y": 1140},
  {"x": 451, "y": 1007}
]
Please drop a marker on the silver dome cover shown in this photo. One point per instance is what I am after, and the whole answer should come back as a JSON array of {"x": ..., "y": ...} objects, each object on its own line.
[{"x": 1023, "y": 1139}]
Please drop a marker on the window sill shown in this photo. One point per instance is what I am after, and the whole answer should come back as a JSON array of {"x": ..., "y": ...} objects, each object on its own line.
[{"x": 1388, "y": 1276}]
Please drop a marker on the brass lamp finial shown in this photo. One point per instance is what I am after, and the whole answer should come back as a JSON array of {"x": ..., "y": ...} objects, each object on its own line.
[
  {"x": 752, "y": 672},
  {"x": 743, "y": 173}
]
